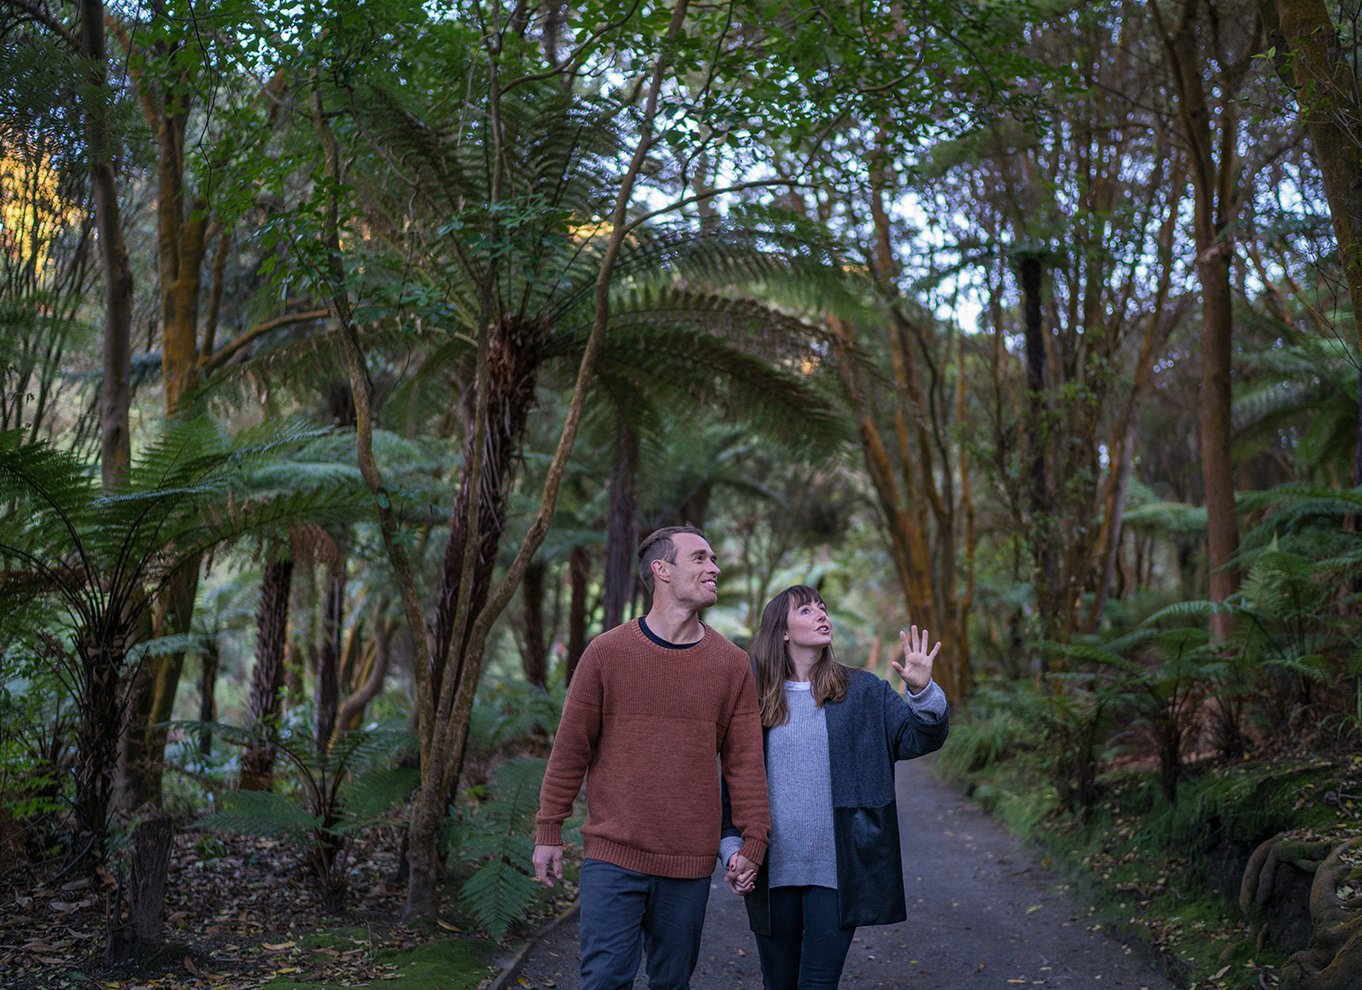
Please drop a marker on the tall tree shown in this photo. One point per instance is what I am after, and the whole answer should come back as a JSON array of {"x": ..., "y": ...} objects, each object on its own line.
[
  {"x": 116, "y": 383},
  {"x": 174, "y": 59},
  {"x": 499, "y": 212},
  {"x": 1070, "y": 235},
  {"x": 1209, "y": 57}
]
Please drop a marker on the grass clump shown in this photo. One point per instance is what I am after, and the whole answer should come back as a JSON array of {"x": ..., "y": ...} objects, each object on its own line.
[{"x": 440, "y": 963}]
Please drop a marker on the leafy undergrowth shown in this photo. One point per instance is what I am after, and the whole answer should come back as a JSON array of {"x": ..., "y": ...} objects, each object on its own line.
[
  {"x": 1169, "y": 873},
  {"x": 241, "y": 913}
]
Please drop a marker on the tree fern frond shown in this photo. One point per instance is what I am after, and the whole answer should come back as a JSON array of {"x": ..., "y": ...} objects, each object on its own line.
[
  {"x": 1309, "y": 666},
  {"x": 369, "y": 748},
  {"x": 499, "y": 895},
  {"x": 164, "y": 646},
  {"x": 497, "y": 833},
  {"x": 784, "y": 403},
  {"x": 1167, "y": 517},
  {"x": 261, "y": 813},
  {"x": 516, "y": 784},
  {"x": 1188, "y": 612},
  {"x": 369, "y": 796}
]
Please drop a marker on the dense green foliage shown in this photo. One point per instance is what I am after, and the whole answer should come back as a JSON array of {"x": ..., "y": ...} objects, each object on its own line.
[{"x": 909, "y": 302}]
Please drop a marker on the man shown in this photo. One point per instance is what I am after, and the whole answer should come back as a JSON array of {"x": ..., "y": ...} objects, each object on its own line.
[{"x": 651, "y": 705}]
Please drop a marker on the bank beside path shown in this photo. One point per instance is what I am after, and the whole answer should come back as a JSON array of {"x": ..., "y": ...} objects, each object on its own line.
[{"x": 982, "y": 912}]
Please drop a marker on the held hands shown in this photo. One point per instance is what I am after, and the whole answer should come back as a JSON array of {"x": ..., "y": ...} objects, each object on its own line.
[
  {"x": 916, "y": 668},
  {"x": 548, "y": 864},
  {"x": 740, "y": 874}
]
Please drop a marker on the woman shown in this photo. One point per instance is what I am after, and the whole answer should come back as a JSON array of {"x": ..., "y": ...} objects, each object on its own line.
[{"x": 832, "y": 736}]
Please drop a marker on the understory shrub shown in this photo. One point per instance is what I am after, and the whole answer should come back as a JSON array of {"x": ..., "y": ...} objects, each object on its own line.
[
  {"x": 326, "y": 800},
  {"x": 494, "y": 834}
]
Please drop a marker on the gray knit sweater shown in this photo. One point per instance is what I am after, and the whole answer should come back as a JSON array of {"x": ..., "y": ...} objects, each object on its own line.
[
  {"x": 797, "y": 777},
  {"x": 799, "y": 781}
]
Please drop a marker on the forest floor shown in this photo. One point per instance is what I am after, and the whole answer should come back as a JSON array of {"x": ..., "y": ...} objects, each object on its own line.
[
  {"x": 241, "y": 912},
  {"x": 984, "y": 910}
]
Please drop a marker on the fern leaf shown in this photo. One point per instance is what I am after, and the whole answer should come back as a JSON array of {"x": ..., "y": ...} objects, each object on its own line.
[
  {"x": 262, "y": 813},
  {"x": 499, "y": 895}
]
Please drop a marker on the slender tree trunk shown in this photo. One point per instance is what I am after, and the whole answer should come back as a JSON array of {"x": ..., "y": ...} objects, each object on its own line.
[
  {"x": 374, "y": 672},
  {"x": 535, "y": 656},
  {"x": 1217, "y": 464},
  {"x": 1211, "y": 135},
  {"x": 327, "y": 695},
  {"x": 1039, "y": 496},
  {"x": 579, "y": 580},
  {"x": 267, "y": 676},
  {"x": 621, "y": 528},
  {"x": 152, "y": 700},
  {"x": 208, "y": 676},
  {"x": 116, "y": 387},
  {"x": 514, "y": 356},
  {"x": 97, "y": 732},
  {"x": 181, "y": 244},
  {"x": 908, "y": 457}
]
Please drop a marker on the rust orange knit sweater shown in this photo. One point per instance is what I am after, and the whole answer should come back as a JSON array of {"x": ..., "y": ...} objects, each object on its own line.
[{"x": 643, "y": 724}]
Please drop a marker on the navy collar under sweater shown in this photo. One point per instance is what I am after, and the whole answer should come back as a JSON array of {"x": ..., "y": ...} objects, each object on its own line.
[{"x": 647, "y": 631}]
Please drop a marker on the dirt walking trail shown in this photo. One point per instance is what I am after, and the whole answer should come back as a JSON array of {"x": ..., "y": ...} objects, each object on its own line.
[{"x": 982, "y": 912}]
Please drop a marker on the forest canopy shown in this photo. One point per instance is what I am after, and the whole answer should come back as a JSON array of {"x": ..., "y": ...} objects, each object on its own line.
[{"x": 348, "y": 349}]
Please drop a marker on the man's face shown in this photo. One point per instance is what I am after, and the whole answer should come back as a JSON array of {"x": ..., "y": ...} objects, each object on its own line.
[{"x": 695, "y": 574}]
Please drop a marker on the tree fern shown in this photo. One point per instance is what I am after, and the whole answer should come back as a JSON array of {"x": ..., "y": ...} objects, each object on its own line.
[
  {"x": 335, "y": 796},
  {"x": 99, "y": 557}
]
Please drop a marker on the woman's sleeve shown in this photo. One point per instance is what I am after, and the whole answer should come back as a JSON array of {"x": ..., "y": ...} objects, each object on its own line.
[{"x": 917, "y": 726}]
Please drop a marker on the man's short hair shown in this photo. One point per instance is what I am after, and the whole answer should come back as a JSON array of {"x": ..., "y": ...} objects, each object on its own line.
[{"x": 658, "y": 545}]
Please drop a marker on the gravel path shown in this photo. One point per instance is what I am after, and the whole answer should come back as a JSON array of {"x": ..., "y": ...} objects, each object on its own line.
[{"x": 982, "y": 913}]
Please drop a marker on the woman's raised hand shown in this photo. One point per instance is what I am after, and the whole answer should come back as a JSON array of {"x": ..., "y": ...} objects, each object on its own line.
[{"x": 916, "y": 668}]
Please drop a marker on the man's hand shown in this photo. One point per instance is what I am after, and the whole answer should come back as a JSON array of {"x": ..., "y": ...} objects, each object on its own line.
[
  {"x": 916, "y": 669},
  {"x": 548, "y": 864},
  {"x": 740, "y": 874}
]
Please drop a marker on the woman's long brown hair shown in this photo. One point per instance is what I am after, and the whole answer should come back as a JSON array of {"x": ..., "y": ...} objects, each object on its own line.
[{"x": 771, "y": 658}]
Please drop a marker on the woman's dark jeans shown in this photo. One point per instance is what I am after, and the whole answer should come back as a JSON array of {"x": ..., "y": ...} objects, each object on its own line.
[{"x": 806, "y": 948}]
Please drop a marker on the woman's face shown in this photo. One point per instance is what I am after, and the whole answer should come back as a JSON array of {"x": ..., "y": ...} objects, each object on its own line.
[{"x": 807, "y": 626}]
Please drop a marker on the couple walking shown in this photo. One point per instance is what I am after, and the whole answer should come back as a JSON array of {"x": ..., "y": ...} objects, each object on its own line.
[{"x": 803, "y": 818}]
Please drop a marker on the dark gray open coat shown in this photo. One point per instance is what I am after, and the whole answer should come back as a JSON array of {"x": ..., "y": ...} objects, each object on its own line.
[{"x": 868, "y": 731}]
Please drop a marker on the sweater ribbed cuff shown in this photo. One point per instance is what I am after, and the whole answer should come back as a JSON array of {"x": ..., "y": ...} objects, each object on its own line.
[
  {"x": 548, "y": 835},
  {"x": 754, "y": 851},
  {"x": 929, "y": 703}
]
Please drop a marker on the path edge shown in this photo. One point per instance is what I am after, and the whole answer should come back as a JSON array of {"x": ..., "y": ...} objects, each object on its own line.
[{"x": 517, "y": 963}]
